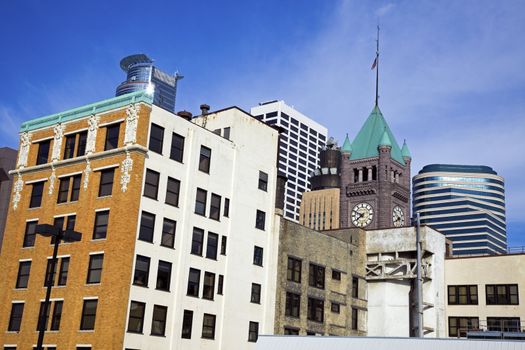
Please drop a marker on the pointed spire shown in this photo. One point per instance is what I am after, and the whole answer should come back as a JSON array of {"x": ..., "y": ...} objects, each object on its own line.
[
  {"x": 347, "y": 146},
  {"x": 404, "y": 151},
  {"x": 385, "y": 140}
]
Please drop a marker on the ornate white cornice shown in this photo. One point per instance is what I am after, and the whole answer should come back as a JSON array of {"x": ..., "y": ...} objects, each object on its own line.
[
  {"x": 25, "y": 142},
  {"x": 125, "y": 170},
  {"x": 57, "y": 141},
  {"x": 52, "y": 179},
  {"x": 87, "y": 172},
  {"x": 92, "y": 133},
  {"x": 17, "y": 188},
  {"x": 132, "y": 119}
]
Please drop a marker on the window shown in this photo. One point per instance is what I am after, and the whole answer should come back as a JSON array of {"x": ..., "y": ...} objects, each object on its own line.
[
  {"x": 164, "y": 276},
  {"x": 257, "y": 256},
  {"x": 208, "y": 326},
  {"x": 156, "y": 137},
  {"x": 22, "y": 279},
  {"x": 158, "y": 324},
  {"x": 226, "y": 207},
  {"x": 260, "y": 219},
  {"x": 193, "y": 282},
  {"x": 502, "y": 294},
  {"x": 220, "y": 284},
  {"x": 64, "y": 187},
  {"x": 291, "y": 331},
  {"x": 106, "y": 182},
  {"x": 187, "y": 322},
  {"x": 100, "y": 229},
  {"x": 141, "y": 275},
  {"x": 168, "y": 233},
  {"x": 256, "y": 293},
  {"x": 89, "y": 313},
  {"x": 95, "y": 268},
  {"x": 354, "y": 319},
  {"x": 41, "y": 317},
  {"x": 211, "y": 247},
  {"x": 151, "y": 184},
  {"x": 147, "y": 226},
  {"x": 82, "y": 141},
  {"x": 62, "y": 274},
  {"x": 355, "y": 287},
  {"x": 63, "y": 263},
  {"x": 177, "y": 147},
  {"x": 463, "y": 295},
  {"x": 43, "y": 152},
  {"x": 316, "y": 276},
  {"x": 215, "y": 206},
  {"x": 263, "y": 181},
  {"x": 253, "y": 332},
  {"x": 458, "y": 326},
  {"x": 172, "y": 191},
  {"x": 315, "y": 310},
  {"x": 293, "y": 304},
  {"x": 209, "y": 286},
  {"x": 200, "y": 202},
  {"x": 336, "y": 275},
  {"x": 227, "y": 132},
  {"x": 112, "y": 133},
  {"x": 136, "y": 317},
  {"x": 57, "y": 315},
  {"x": 504, "y": 324},
  {"x": 36, "y": 195},
  {"x": 69, "y": 149},
  {"x": 224, "y": 240},
  {"x": 293, "y": 272},
  {"x": 335, "y": 307},
  {"x": 204, "y": 159},
  {"x": 197, "y": 241},
  {"x": 15, "y": 319}
]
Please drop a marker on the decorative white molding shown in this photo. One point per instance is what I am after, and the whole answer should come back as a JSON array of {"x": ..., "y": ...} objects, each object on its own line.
[
  {"x": 125, "y": 170},
  {"x": 92, "y": 133},
  {"x": 52, "y": 180},
  {"x": 57, "y": 142},
  {"x": 132, "y": 119},
  {"x": 87, "y": 172},
  {"x": 17, "y": 188},
  {"x": 25, "y": 142}
]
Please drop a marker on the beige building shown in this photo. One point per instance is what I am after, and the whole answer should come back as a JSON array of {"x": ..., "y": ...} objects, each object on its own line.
[
  {"x": 320, "y": 209},
  {"x": 485, "y": 293}
]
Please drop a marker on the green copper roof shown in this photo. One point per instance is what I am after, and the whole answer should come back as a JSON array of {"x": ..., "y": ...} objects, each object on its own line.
[
  {"x": 347, "y": 145},
  {"x": 370, "y": 136},
  {"x": 385, "y": 140},
  {"x": 94, "y": 108},
  {"x": 404, "y": 150}
]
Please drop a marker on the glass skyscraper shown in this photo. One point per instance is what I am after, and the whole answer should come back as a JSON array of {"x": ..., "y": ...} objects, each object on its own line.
[{"x": 464, "y": 202}]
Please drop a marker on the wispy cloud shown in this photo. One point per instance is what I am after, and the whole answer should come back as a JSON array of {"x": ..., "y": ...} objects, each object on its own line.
[{"x": 383, "y": 10}]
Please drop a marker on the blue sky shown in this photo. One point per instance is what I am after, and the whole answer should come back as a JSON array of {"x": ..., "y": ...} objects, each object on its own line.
[{"x": 452, "y": 75}]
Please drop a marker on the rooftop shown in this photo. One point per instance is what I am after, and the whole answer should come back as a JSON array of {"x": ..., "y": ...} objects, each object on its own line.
[{"x": 457, "y": 168}]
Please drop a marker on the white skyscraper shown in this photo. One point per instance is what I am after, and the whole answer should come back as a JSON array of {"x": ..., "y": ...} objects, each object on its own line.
[{"x": 299, "y": 147}]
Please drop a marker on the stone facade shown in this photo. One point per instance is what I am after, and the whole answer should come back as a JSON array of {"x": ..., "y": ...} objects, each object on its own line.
[{"x": 320, "y": 209}]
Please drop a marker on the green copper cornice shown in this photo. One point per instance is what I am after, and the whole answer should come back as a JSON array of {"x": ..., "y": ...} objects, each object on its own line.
[{"x": 80, "y": 112}]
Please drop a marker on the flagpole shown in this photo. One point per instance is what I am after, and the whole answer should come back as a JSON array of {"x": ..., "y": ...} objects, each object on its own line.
[{"x": 377, "y": 67}]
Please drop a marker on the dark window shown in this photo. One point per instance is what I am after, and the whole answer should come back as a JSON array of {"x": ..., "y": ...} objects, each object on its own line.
[
  {"x": 82, "y": 141},
  {"x": 253, "y": 332},
  {"x": 293, "y": 304},
  {"x": 463, "y": 295},
  {"x": 502, "y": 294},
  {"x": 177, "y": 147},
  {"x": 50, "y": 273},
  {"x": 193, "y": 282},
  {"x": 211, "y": 247},
  {"x": 172, "y": 191},
  {"x": 355, "y": 287},
  {"x": 75, "y": 188},
  {"x": 43, "y": 152},
  {"x": 151, "y": 184},
  {"x": 22, "y": 279},
  {"x": 336, "y": 275},
  {"x": 106, "y": 182},
  {"x": 141, "y": 275},
  {"x": 197, "y": 241},
  {"x": 112, "y": 132},
  {"x": 458, "y": 326},
  {"x": 57, "y": 315},
  {"x": 147, "y": 225},
  {"x": 226, "y": 207},
  {"x": 315, "y": 310},
  {"x": 200, "y": 201},
  {"x": 316, "y": 276},
  {"x": 208, "y": 287},
  {"x": 257, "y": 256},
  {"x": 504, "y": 324},
  {"x": 30, "y": 235},
  {"x": 62, "y": 273},
  {"x": 168, "y": 233},
  {"x": 220, "y": 284},
  {"x": 208, "y": 326},
  {"x": 69, "y": 148},
  {"x": 63, "y": 189},
  {"x": 15, "y": 319},
  {"x": 293, "y": 272},
  {"x": 158, "y": 324},
  {"x": 101, "y": 224},
  {"x": 263, "y": 181},
  {"x": 224, "y": 240},
  {"x": 156, "y": 137},
  {"x": 41, "y": 318},
  {"x": 291, "y": 331},
  {"x": 227, "y": 133},
  {"x": 95, "y": 268},
  {"x": 256, "y": 293},
  {"x": 187, "y": 322},
  {"x": 136, "y": 317},
  {"x": 204, "y": 159},
  {"x": 215, "y": 206},
  {"x": 36, "y": 195},
  {"x": 354, "y": 319},
  {"x": 89, "y": 313},
  {"x": 164, "y": 275},
  {"x": 260, "y": 219},
  {"x": 335, "y": 307}
]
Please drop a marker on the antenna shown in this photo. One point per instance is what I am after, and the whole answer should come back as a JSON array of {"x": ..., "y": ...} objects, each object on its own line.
[{"x": 377, "y": 67}]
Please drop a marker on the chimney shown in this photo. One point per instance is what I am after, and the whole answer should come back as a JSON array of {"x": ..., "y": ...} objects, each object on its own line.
[
  {"x": 185, "y": 115},
  {"x": 205, "y": 109}
]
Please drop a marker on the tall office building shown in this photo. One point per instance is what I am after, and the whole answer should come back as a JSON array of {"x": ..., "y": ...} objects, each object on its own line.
[
  {"x": 466, "y": 203},
  {"x": 143, "y": 75},
  {"x": 299, "y": 147}
]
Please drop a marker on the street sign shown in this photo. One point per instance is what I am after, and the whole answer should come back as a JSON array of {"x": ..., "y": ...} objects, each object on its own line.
[
  {"x": 47, "y": 230},
  {"x": 71, "y": 236}
]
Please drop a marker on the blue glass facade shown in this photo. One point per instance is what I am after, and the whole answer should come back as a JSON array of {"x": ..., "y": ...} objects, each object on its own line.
[{"x": 466, "y": 203}]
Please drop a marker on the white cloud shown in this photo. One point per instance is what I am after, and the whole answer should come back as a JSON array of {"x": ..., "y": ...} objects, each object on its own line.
[{"x": 383, "y": 10}]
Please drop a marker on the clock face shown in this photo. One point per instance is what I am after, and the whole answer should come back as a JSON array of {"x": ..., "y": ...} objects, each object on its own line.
[
  {"x": 362, "y": 215},
  {"x": 398, "y": 218}
]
